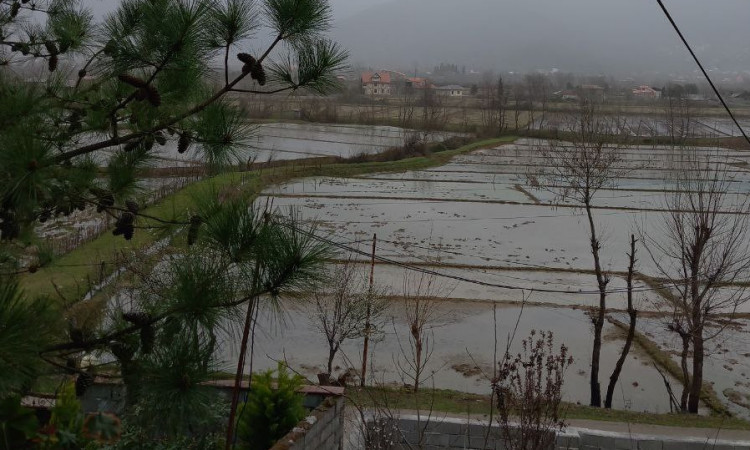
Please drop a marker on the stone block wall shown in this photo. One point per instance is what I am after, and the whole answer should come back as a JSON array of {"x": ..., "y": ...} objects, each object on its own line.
[{"x": 322, "y": 429}]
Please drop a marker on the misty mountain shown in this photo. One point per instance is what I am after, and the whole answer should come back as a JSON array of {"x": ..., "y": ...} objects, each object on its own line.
[{"x": 607, "y": 36}]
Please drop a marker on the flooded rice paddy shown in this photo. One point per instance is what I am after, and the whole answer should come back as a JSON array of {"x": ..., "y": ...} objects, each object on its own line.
[
  {"x": 288, "y": 141},
  {"x": 477, "y": 221},
  {"x": 697, "y": 125}
]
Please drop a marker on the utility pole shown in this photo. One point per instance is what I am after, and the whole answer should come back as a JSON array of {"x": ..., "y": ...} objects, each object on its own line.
[{"x": 365, "y": 348}]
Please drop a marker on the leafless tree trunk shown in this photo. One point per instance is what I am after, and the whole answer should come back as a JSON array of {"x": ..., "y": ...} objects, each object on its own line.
[
  {"x": 704, "y": 248},
  {"x": 434, "y": 111},
  {"x": 633, "y": 314},
  {"x": 406, "y": 107},
  {"x": 678, "y": 120},
  {"x": 340, "y": 309},
  {"x": 420, "y": 294},
  {"x": 678, "y": 327},
  {"x": 576, "y": 172}
]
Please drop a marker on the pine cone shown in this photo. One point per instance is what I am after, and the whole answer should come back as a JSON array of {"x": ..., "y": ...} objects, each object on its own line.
[
  {"x": 71, "y": 366},
  {"x": 45, "y": 215},
  {"x": 160, "y": 139},
  {"x": 247, "y": 59},
  {"x": 52, "y": 63},
  {"x": 104, "y": 200},
  {"x": 124, "y": 226},
  {"x": 136, "y": 318},
  {"x": 130, "y": 146},
  {"x": 83, "y": 382},
  {"x": 51, "y": 47},
  {"x": 9, "y": 228},
  {"x": 148, "y": 336},
  {"x": 14, "y": 10},
  {"x": 110, "y": 48},
  {"x": 131, "y": 80},
  {"x": 258, "y": 74},
  {"x": 132, "y": 206},
  {"x": 148, "y": 141},
  {"x": 247, "y": 68},
  {"x": 141, "y": 95},
  {"x": 81, "y": 73},
  {"x": 153, "y": 96},
  {"x": 195, "y": 224},
  {"x": 76, "y": 335},
  {"x": 122, "y": 352},
  {"x": 183, "y": 143}
]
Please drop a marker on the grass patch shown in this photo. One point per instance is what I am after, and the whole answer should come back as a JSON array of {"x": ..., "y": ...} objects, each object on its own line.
[{"x": 462, "y": 404}]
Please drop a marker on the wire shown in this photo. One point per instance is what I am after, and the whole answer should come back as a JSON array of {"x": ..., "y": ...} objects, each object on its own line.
[
  {"x": 426, "y": 271},
  {"x": 705, "y": 74}
]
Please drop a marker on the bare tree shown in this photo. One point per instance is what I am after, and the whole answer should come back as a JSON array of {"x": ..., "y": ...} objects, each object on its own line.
[
  {"x": 633, "y": 314},
  {"x": 528, "y": 392},
  {"x": 434, "y": 110},
  {"x": 679, "y": 119},
  {"x": 493, "y": 103},
  {"x": 340, "y": 308},
  {"x": 703, "y": 253},
  {"x": 407, "y": 105},
  {"x": 420, "y": 294},
  {"x": 537, "y": 90},
  {"x": 576, "y": 172}
]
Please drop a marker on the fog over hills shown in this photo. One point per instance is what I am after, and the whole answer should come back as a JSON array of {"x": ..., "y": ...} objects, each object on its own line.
[{"x": 607, "y": 36}]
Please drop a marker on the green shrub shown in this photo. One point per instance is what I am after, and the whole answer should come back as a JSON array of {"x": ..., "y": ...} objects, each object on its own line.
[{"x": 272, "y": 409}]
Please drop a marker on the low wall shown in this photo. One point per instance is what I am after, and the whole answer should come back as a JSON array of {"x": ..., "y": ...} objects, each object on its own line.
[
  {"x": 461, "y": 434},
  {"x": 323, "y": 429}
]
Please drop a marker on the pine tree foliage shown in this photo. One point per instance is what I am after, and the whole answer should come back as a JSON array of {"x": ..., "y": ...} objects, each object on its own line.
[
  {"x": 272, "y": 409},
  {"x": 85, "y": 108},
  {"x": 117, "y": 93},
  {"x": 23, "y": 333}
]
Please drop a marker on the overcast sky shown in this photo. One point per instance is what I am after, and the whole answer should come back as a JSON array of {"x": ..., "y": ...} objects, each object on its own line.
[
  {"x": 602, "y": 36},
  {"x": 341, "y": 8}
]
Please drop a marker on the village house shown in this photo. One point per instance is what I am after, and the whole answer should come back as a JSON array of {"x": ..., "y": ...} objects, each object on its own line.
[
  {"x": 417, "y": 82},
  {"x": 451, "y": 90},
  {"x": 376, "y": 84},
  {"x": 646, "y": 92},
  {"x": 567, "y": 95},
  {"x": 593, "y": 92}
]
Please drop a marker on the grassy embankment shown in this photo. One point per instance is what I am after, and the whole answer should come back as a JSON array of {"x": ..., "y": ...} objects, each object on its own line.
[
  {"x": 461, "y": 404},
  {"x": 70, "y": 275}
]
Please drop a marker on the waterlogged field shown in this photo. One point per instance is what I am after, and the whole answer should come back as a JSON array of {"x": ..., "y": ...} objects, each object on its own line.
[
  {"x": 461, "y": 343},
  {"x": 287, "y": 141},
  {"x": 696, "y": 126},
  {"x": 479, "y": 223},
  {"x": 271, "y": 142}
]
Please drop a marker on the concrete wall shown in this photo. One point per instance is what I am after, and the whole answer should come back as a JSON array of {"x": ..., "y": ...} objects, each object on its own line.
[
  {"x": 323, "y": 429},
  {"x": 450, "y": 433}
]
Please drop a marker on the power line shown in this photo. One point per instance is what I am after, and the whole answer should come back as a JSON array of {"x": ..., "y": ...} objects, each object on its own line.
[
  {"x": 427, "y": 271},
  {"x": 705, "y": 74}
]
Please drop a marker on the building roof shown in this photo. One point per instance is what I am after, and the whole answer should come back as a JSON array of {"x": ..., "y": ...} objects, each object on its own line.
[
  {"x": 385, "y": 77},
  {"x": 418, "y": 82}
]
